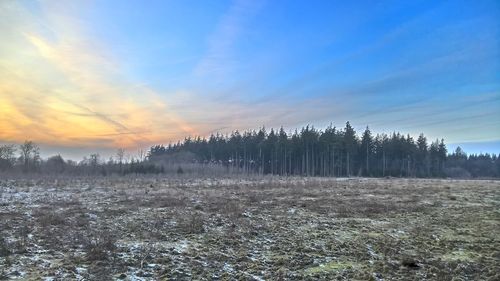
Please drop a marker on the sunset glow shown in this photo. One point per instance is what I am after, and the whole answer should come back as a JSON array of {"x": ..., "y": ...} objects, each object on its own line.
[{"x": 109, "y": 74}]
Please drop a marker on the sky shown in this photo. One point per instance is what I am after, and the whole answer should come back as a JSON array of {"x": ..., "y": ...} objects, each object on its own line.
[{"x": 89, "y": 76}]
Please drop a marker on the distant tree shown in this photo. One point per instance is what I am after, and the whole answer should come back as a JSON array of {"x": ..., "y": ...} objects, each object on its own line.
[
  {"x": 94, "y": 159},
  {"x": 7, "y": 157},
  {"x": 442, "y": 152},
  {"x": 261, "y": 145},
  {"x": 328, "y": 145},
  {"x": 350, "y": 144},
  {"x": 30, "y": 156},
  {"x": 459, "y": 152},
  {"x": 282, "y": 152},
  {"x": 141, "y": 155},
  {"x": 120, "y": 155},
  {"x": 366, "y": 150},
  {"x": 456, "y": 166},
  {"x": 422, "y": 157},
  {"x": 457, "y": 159},
  {"x": 55, "y": 164},
  {"x": 436, "y": 158}
]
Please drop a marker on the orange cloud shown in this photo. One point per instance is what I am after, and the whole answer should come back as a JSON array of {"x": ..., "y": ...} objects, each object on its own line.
[
  {"x": 62, "y": 87},
  {"x": 58, "y": 89}
]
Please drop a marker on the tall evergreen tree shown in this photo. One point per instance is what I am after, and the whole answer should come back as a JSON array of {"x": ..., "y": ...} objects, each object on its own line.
[
  {"x": 366, "y": 151},
  {"x": 350, "y": 145}
]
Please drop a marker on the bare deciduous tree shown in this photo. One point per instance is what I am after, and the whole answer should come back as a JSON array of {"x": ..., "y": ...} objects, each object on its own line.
[
  {"x": 94, "y": 160},
  {"x": 7, "y": 156},
  {"x": 120, "y": 154},
  {"x": 30, "y": 155},
  {"x": 141, "y": 154}
]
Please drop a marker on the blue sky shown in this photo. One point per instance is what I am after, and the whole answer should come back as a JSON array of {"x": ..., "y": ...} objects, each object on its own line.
[{"x": 133, "y": 73}]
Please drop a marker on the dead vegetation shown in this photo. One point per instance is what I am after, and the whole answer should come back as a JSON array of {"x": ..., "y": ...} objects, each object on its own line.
[{"x": 249, "y": 229}]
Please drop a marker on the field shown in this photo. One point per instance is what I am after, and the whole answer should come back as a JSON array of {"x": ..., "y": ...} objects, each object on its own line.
[{"x": 249, "y": 229}]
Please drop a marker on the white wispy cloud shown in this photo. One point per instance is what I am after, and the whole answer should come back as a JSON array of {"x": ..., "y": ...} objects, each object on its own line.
[{"x": 219, "y": 57}]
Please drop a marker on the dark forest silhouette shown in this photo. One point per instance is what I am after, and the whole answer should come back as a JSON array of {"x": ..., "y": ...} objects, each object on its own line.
[{"x": 331, "y": 152}]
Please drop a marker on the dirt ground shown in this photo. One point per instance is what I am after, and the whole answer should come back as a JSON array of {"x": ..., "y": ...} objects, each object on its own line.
[{"x": 249, "y": 229}]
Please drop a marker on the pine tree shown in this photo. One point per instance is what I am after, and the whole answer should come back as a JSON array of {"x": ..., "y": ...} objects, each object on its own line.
[{"x": 366, "y": 150}]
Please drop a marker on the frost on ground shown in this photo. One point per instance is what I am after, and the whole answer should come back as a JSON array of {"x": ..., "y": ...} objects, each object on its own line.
[{"x": 251, "y": 229}]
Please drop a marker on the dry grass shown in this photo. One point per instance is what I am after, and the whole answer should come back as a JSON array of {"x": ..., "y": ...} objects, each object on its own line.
[
  {"x": 245, "y": 229},
  {"x": 4, "y": 249},
  {"x": 99, "y": 245}
]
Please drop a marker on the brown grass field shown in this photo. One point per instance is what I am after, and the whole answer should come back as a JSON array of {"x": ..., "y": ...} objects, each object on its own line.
[{"x": 249, "y": 229}]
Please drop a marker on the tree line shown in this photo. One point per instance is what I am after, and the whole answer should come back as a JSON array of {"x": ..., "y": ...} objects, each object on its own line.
[
  {"x": 331, "y": 152},
  {"x": 25, "y": 158}
]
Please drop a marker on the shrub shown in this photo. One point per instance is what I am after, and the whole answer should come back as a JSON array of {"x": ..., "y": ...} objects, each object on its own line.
[
  {"x": 50, "y": 218},
  {"x": 192, "y": 224},
  {"x": 99, "y": 246}
]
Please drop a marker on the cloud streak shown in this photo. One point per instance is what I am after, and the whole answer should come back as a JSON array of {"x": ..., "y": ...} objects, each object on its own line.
[
  {"x": 62, "y": 83},
  {"x": 219, "y": 58},
  {"x": 60, "y": 89}
]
